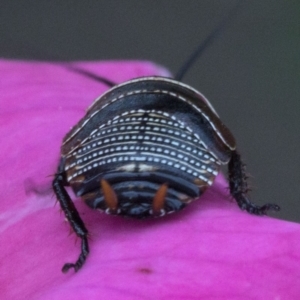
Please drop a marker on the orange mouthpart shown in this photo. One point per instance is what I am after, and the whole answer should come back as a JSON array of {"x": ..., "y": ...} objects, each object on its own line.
[
  {"x": 109, "y": 194},
  {"x": 159, "y": 199}
]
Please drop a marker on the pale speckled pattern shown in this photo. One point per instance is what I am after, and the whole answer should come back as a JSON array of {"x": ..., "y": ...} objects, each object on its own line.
[{"x": 211, "y": 250}]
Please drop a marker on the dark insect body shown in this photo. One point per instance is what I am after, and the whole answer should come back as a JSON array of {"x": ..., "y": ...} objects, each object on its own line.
[
  {"x": 146, "y": 148},
  {"x": 140, "y": 135}
]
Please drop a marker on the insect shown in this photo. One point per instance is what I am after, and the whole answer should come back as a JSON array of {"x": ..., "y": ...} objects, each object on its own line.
[{"x": 147, "y": 148}]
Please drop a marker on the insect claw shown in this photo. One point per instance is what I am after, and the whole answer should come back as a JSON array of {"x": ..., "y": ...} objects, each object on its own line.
[
  {"x": 159, "y": 199},
  {"x": 109, "y": 194}
]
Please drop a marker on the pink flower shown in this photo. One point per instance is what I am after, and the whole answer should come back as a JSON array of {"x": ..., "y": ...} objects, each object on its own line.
[{"x": 211, "y": 250}]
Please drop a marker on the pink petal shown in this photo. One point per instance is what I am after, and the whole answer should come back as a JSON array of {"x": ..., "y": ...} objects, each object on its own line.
[{"x": 211, "y": 250}]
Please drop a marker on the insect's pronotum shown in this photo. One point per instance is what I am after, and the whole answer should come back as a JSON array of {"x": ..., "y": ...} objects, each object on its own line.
[{"x": 147, "y": 148}]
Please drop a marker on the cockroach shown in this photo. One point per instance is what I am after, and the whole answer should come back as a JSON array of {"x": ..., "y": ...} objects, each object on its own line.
[{"x": 147, "y": 148}]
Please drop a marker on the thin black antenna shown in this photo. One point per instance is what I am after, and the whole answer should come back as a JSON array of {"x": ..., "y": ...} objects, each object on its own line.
[
  {"x": 88, "y": 74},
  {"x": 204, "y": 44},
  {"x": 53, "y": 59}
]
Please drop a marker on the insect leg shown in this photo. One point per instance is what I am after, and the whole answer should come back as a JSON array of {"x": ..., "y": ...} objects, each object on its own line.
[
  {"x": 239, "y": 187},
  {"x": 74, "y": 219}
]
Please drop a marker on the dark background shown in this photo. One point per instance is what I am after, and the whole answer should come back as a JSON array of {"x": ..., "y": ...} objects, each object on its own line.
[{"x": 251, "y": 73}]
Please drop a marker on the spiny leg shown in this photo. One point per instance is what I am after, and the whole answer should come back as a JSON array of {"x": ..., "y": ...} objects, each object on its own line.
[
  {"x": 74, "y": 219},
  {"x": 239, "y": 187}
]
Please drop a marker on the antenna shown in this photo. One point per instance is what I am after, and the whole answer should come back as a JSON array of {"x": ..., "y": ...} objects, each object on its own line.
[
  {"x": 53, "y": 59},
  {"x": 181, "y": 72},
  {"x": 204, "y": 44}
]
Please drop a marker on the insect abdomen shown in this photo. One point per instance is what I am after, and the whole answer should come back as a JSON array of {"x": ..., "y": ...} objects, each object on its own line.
[{"x": 137, "y": 151}]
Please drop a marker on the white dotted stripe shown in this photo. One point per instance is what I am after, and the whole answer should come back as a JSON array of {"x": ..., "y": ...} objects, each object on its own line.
[
  {"x": 194, "y": 156},
  {"x": 98, "y": 149},
  {"x": 146, "y": 137},
  {"x": 116, "y": 120},
  {"x": 162, "y": 139},
  {"x": 157, "y": 78},
  {"x": 113, "y": 129},
  {"x": 155, "y": 92},
  {"x": 168, "y": 129},
  {"x": 160, "y": 159}
]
